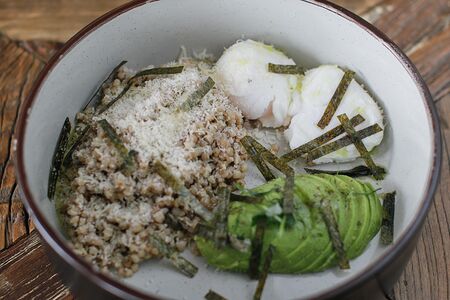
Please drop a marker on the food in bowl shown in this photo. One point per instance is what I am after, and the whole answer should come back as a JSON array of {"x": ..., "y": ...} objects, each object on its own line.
[{"x": 157, "y": 163}]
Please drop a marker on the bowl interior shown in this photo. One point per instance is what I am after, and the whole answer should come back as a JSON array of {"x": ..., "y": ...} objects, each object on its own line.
[{"x": 152, "y": 33}]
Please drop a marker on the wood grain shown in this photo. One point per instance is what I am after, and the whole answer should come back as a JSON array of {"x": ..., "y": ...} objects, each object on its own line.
[
  {"x": 420, "y": 27},
  {"x": 426, "y": 39},
  {"x": 18, "y": 70},
  {"x": 26, "y": 273},
  {"x": 50, "y": 19}
]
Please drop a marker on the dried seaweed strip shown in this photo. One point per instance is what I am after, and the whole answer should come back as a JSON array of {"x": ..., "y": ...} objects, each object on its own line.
[
  {"x": 283, "y": 167},
  {"x": 221, "y": 233},
  {"x": 130, "y": 162},
  {"x": 159, "y": 71},
  {"x": 269, "y": 157},
  {"x": 128, "y": 157},
  {"x": 338, "y": 95},
  {"x": 58, "y": 157},
  {"x": 99, "y": 94},
  {"x": 333, "y": 231},
  {"x": 196, "y": 97},
  {"x": 341, "y": 143},
  {"x": 183, "y": 192},
  {"x": 211, "y": 295},
  {"x": 358, "y": 171},
  {"x": 205, "y": 231},
  {"x": 288, "y": 196},
  {"x": 264, "y": 273},
  {"x": 154, "y": 71},
  {"x": 387, "y": 223},
  {"x": 172, "y": 221},
  {"x": 286, "y": 69},
  {"x": 250, "y": 196},
  {"x": 256, "y": 158},
  {"x": 113, "y": 137},
  {"x": 256, "y": 249},
  {"x": 185, "y": 266},
  {"x": 277, "y": 162},
  {"x": 288, "y": 190},
  {"x": 245, "y": 198},
  {"x": 77, "y": 142},
  {"x": 357, "y": 141},
  {"x": 103, "y": 108},
  {"x": 319, "y": 141}
]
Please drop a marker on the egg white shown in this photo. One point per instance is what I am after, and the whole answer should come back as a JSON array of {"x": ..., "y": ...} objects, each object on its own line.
[
  {"x": 242, "y": 70},
  {"x": 318, "y": 86}
]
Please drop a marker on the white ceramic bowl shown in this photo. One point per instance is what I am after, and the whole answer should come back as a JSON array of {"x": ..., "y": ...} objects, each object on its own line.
[{"x": 313, "y": 33}]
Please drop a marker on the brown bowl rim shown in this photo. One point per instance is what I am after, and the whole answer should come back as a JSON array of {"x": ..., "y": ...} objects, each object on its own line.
[{"x": 122, "y": 290}]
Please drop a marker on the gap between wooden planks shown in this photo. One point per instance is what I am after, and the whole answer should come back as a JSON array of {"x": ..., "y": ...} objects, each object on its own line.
[
  {"x": 420, "y": 27},
  {"x": 18, "y": 70}
]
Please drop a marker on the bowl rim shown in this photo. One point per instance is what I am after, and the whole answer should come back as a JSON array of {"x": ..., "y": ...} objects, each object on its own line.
[{"x": 60, "y": 246}]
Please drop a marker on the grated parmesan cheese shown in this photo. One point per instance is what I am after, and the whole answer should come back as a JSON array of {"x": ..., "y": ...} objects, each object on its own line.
[{"x": 150, "y": 122}]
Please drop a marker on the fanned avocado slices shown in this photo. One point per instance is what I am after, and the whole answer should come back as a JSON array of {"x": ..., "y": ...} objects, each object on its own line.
[{"x": 305, "y": 246}]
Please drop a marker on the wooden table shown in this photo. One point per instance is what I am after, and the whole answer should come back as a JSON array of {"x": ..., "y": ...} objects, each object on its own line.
[{"x": 30, "y": 31}]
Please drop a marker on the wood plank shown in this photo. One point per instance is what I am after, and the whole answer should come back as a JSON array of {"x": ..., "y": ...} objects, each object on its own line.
[
  {"x": 4, "y": 215},
  {"x": 17, "y": 223},
  {"x": 427, "y": 275},
  {"x": 359, "y": 7},
  {"x": 17, "y": 73},
  {"x": 408, "y": 23},
  {"x": 26, "y": 273},
  {"x": 432, "y": 59},
  {"x": 49, "y": 19}
]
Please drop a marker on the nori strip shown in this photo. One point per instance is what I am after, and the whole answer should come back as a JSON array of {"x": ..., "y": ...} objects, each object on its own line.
[
  {"x": 180, "y": 223},
  {"x": 195, "y": 98},
  {"x": 184, "y": 193},
  {"x": 288, "y": 196},
  {"x": 256, "y": 249},
  {"x": 103, "y": 108},
  {"x": 129, "y": 164},
  {"x": 387, "y": 223},
  {"x": 357, "y": 141},
  {"x": 256, "y": 158},
  {"x": 99, "y": 94},
  {"x": 211, "y": 295},
  {"x": 333, "y": 231},
  {"x": 264, "y": 273},
  {"x": 58, "y": 156},
  {"x": 357, "y": 171},
  {"x": 221, "y": 233},
  {"x": 341, "y": 143},
  {"x": 332, "y": 106},
  {"x": 245, "y": 198},
  {"x": 154, "y": 71},
  {"x": 185, "y": 266},
  {"x": 113, "y": 137},
  {"x": 159, "y": 71},
  {"x": 319, "y": 141},
  {"x": 128, "y": 157},
  {"x": 283, "y": 167},
  {"x": 286, "y": 69},
  {"x": 205, "y": 231},
  {"x": 173, "y": 222},
  {"x": 78, "y": 140}
]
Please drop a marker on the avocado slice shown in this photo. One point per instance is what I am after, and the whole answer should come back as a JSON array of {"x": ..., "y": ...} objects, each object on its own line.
[
  {"x": 363, "y": 217},
  {"x": 343, "y": 223},
  {"x": 358, "y": 219},
  {"x": 305, "y": 246}
]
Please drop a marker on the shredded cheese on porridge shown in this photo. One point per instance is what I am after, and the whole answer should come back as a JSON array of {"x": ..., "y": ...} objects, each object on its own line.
[{"x": 109, "y": 214}]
